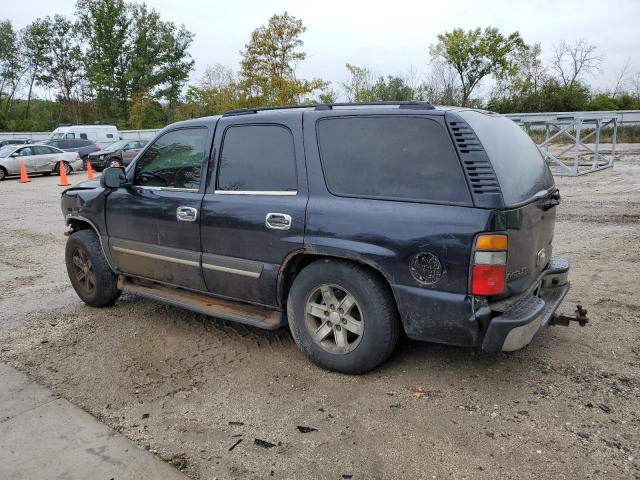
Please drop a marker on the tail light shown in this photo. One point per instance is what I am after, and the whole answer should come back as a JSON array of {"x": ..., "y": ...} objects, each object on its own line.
[{"x": 489, "y": 265}]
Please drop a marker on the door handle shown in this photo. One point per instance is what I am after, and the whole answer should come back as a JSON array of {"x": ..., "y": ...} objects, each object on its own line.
[
  {"x": 187, "y": 214},
  {"x": 278, "y": 221}
]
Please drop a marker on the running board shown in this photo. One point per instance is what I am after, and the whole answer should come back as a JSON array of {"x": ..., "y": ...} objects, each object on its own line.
[{"x": 256, "y": 316}]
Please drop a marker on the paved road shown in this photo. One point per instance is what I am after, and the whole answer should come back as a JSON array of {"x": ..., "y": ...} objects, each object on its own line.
[{"x": 44, "y": 437}]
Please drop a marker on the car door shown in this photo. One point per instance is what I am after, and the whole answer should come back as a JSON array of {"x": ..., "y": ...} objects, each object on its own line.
[
  {"x": 253, "y": 212},
  {"x": 28, "y": 155},
  {"x": 153, "y": 224},
  {"x": 129, "y": 152}
]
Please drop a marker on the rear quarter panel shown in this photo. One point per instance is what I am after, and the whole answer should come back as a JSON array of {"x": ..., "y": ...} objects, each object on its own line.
[{"x": 386, "y": 235}]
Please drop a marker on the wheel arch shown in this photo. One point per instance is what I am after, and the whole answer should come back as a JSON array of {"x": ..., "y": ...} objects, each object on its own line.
[
  {"x": 80, "y": 223},
  {"x": 296, "y": 261}
]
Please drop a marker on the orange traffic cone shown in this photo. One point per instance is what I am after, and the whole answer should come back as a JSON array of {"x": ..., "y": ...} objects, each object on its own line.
[
  {"x": 89, "y": 171},
  {"x": 24, "y": 178},
  {"x": 63, "y": 175}
]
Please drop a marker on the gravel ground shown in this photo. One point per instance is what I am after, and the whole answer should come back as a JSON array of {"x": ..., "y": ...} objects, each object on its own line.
[{"x": 189, "y": 387}]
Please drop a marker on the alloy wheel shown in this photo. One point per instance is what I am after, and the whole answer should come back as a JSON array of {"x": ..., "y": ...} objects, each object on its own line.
[
  {"x": 334, "y": 319},
  {"x": 83, "y": 270}
]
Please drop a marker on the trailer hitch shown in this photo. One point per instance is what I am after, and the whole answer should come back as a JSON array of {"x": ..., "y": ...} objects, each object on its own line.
[{"x": 564, "y": 320}]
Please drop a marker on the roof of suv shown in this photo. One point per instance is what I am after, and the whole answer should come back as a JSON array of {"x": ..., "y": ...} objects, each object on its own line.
[{"x": 295, "y": 110}]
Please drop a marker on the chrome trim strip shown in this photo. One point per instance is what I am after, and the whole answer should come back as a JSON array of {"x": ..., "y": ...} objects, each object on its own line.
[
  {"x": 168, "y": 189},
  {"x": 244, "y": 273},
  {"x": 256, "y": 192},
  {"x": 156, "y": 256}
]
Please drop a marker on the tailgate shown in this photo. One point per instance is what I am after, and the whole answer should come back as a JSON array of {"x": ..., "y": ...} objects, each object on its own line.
[{"x": 530, "y": 230}]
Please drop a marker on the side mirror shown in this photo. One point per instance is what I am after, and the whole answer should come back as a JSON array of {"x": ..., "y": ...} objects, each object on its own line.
[
  {"x": 14, "y": 155},
  {"x": 113, "y": 177}
]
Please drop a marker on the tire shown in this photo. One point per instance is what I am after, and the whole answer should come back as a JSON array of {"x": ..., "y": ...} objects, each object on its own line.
[
  {"x": 67, "y": 168},
  {"x": 336, "y": 345},
  {"x": 115, "y": 162},
  {"x": 3, "y": 174},
  {"x": 98, "y": 286}
]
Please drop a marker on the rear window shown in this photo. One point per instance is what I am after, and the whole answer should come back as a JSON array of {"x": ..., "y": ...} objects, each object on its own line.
[
  {"x": 391, "y": 157},
  {"x": 519, "y": 166}
]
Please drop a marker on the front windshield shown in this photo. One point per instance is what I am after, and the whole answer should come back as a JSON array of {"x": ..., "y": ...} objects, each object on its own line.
[
  {"x": 7, "y": 150},
  {"x": 57, "y": 136},
  {"x": 115, "y": 146}
]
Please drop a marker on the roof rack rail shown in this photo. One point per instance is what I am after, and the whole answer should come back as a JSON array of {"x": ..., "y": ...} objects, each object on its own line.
[{"x": 413, "y": 105}]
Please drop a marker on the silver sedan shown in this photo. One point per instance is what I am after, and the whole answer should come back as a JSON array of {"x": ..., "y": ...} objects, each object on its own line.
[{"x": 37, "y": 159}]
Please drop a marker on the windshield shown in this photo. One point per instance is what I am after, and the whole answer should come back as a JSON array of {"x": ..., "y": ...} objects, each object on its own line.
[
  {"x": 57, "y": 136},
  {"x": 115, "y": 146},
  {"x": 7, "y": 150}
]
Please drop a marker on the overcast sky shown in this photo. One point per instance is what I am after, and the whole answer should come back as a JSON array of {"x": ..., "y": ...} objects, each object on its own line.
[{"x": 389, "y": 37}]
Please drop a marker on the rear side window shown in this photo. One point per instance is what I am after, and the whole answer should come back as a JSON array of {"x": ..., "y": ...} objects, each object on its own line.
[
  {"x": 519, "y": 166},
  {"x": 83, "y": 135},
  {"x": 257, "y": 158},
  {"x": 391, "y": 157}
]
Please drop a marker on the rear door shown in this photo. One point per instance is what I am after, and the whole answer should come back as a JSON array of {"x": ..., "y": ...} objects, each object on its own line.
[
  {"x": 253, "y": 213},
  {"x": 153, "y": 225}
]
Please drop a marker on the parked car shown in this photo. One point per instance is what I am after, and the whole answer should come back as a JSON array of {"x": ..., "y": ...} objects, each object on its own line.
[
  {"x": 347, "y": 222},
  {"x": 14, "y": 141},
  {"x": 118, "y": 154},
  {"x": 101, "y": 134},
  {"x": 83, "y": 147},
  {"x": 37, "y": 159}
]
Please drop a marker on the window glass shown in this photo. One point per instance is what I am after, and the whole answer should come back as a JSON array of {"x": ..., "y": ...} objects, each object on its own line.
[
  {"x": 83, "y": 135},
  {"x": 41, "y": 150},
  {"x": 521, "y": 170},
  {"x": 109, "y": 135},
  {"x": 70, "y": 135},
  {"x": 25, "y": 152},
  {"x": 257, "y": 158},
  {"x": 394, "y": 157},
  {"x": 174, "y": 160}
]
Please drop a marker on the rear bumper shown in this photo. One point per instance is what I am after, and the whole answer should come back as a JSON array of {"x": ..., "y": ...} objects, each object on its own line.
[{"x": 516, "y": 326}]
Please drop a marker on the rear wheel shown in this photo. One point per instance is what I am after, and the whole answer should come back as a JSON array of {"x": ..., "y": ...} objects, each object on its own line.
[
  {"x": 67, "y": 168},
  {"x": 90, "y": 274},
  {"x": 342, "y": 316}
]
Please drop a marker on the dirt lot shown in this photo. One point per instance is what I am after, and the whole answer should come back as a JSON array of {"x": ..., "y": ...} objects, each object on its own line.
[{"x": 176, "y": 382}]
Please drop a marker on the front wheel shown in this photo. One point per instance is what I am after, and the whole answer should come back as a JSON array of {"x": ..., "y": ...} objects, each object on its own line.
[
  {"x": 90, "y": 274},
  {"x": 342, "y": 316}
]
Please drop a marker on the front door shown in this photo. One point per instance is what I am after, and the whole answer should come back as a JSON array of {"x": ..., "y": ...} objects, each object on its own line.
[
  {"x": 154, "y": 224},
  {"x": 253, "y": 212}
]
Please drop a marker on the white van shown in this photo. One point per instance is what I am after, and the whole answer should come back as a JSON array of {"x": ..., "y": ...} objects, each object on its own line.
[{"x": 99, "y": 134}]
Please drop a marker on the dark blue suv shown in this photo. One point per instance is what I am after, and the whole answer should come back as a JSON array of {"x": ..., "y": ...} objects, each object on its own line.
[{"x": 348, "y": 222}]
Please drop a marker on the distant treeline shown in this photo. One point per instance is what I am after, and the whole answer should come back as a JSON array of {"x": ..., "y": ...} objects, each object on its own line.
[{"x": 121, "y": 62}]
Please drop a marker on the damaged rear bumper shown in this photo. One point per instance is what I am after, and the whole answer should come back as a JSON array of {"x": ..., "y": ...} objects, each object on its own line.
[{"x": 516, "y": 326}]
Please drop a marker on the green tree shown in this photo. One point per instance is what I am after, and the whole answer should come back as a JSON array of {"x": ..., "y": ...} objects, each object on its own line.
[
  {"x": 269, "y": 62},
  {"x": 35, "y": 49},
  {"x": 11, "y": 70},
  {"x": 104, "y": 25},
  {"x": 477, "y": 54},
  {"x": 145, "y": 112},
  {"x": 358, "y": 87},
  {"x": 175, "y": 64}
]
